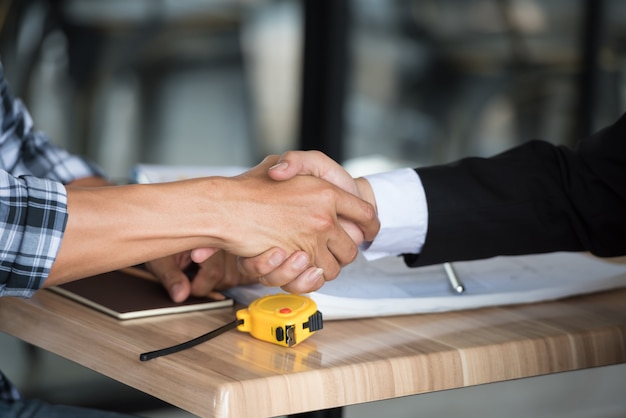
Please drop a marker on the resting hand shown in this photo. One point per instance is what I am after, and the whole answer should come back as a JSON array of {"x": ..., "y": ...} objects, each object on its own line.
[{"x": 183, "y": 278}]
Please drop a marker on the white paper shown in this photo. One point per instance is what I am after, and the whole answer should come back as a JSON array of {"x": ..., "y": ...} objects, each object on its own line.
[
  {"x": 157, "y": 173},
  {"x": 387, "y": 287}
]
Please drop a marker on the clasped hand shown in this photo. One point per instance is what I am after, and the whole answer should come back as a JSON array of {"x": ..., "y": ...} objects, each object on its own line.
[{"x": 294, "y": 222}]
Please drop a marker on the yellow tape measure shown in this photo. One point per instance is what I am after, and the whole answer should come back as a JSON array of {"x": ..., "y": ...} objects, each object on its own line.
[{"x": 282, "y": 319}]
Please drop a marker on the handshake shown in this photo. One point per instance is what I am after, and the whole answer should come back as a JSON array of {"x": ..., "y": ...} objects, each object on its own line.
[{"x": 294, "y": 221}]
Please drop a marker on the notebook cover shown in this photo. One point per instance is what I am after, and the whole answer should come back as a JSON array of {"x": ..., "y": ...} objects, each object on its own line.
[{"x": 125, "y": 295}]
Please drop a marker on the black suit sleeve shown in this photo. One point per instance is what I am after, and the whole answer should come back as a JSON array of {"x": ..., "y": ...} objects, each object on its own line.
[{"x": 535, "y": 198}]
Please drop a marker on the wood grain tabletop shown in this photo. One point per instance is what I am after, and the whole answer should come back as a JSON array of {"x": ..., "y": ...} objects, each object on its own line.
[{"x": 348, "y": 362}]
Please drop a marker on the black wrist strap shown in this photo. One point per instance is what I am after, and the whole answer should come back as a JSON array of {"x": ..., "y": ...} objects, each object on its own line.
[{"x": 191, "y": 343}]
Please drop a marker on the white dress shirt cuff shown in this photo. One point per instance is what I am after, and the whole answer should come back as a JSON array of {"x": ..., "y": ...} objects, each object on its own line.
[{"x": 403, "y": 214}]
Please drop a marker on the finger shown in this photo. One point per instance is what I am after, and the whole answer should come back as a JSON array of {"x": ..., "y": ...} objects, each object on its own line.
[
  {"x": 338, "y": 252},
  {"x": 291, "y": 164},
  {"x": 208, "y": 275},
  {"x": 200, "y": 255},
  {"x": 352, "y": 230},
  {"x": 310, "y": 280},
  {"x": 269, "y": 161},
  {"x": 262, "y": 264},
  {"x": 359, "y": 212},
  {"x": 172, "y": 277},
  {"x": 216, "y": 295},
  {"x": 343, "y": 250},
  {"x": 313, "y": 163},
  {"x": 229, "y": 276},
  {"x": 271, "y": 275}
]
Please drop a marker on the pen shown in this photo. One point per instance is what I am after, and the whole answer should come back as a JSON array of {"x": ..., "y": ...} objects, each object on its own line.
[{"x": 453, "y": 278}]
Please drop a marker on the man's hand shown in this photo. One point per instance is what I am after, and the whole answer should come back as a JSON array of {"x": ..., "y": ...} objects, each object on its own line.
[
  {"x": 295, "y": 277},
  {"x": 273, "y": 267},
  {"x": 183, "y": 278},
  {"x": 303, "y": 213},
  {"x": 317, "y": 164}
]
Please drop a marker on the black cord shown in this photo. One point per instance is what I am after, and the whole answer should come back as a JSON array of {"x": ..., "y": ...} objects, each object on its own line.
[{"x": 191, "y": 343}]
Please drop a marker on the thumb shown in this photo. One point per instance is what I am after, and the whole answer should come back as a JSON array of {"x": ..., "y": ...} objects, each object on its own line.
[
  {"x": 303, "y": 163},
  {"x": 284, "y": 170},
  {"x": 312, "y": 163}
]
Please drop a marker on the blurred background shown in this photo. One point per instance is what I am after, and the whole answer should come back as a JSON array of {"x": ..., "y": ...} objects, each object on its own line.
[
  {"x": 228, "y": 82},
  {"x": 376, "y": 84}
]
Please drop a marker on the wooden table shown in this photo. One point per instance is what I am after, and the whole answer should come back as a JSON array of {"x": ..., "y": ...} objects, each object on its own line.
[{"x": 347, "y": 362}]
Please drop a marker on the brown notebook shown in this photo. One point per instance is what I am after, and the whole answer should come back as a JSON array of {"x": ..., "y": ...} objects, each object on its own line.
[{"x": 128, "y": 294}]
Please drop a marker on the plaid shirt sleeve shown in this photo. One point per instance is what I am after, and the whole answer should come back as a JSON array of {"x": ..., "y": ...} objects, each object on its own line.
[
  {"x": 33, "y": 209},
  {"x": 33, "y": 214},
  {"x": 32, "y": 220},
  {"x": 32, "y": 197}
]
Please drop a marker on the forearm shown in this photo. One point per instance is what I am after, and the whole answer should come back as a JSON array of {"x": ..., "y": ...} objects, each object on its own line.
[
  {"x": 246, "y": 215},
  {"x": 92, "y": 181},
  {"x": 119, "y": 226}
]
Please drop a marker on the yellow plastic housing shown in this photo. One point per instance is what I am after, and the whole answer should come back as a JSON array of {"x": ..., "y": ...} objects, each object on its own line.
[{"x": 283, "y": 319}]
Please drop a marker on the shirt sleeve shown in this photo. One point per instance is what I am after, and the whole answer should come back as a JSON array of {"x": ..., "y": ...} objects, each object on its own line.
[
  {"x": 33, "y": 215},
  {"x": 33, "y": 200},
  {"x": 402, "y": 212}
]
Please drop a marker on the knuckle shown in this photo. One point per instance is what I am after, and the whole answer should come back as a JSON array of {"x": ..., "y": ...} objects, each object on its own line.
[
  {"x": 332, "y": 272},
  {"x": 325, "y": 223},
  {"x": 327, "y": 194},
  {"x": 275, "y": 280},
  {"x": 252, "y": 267}
]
